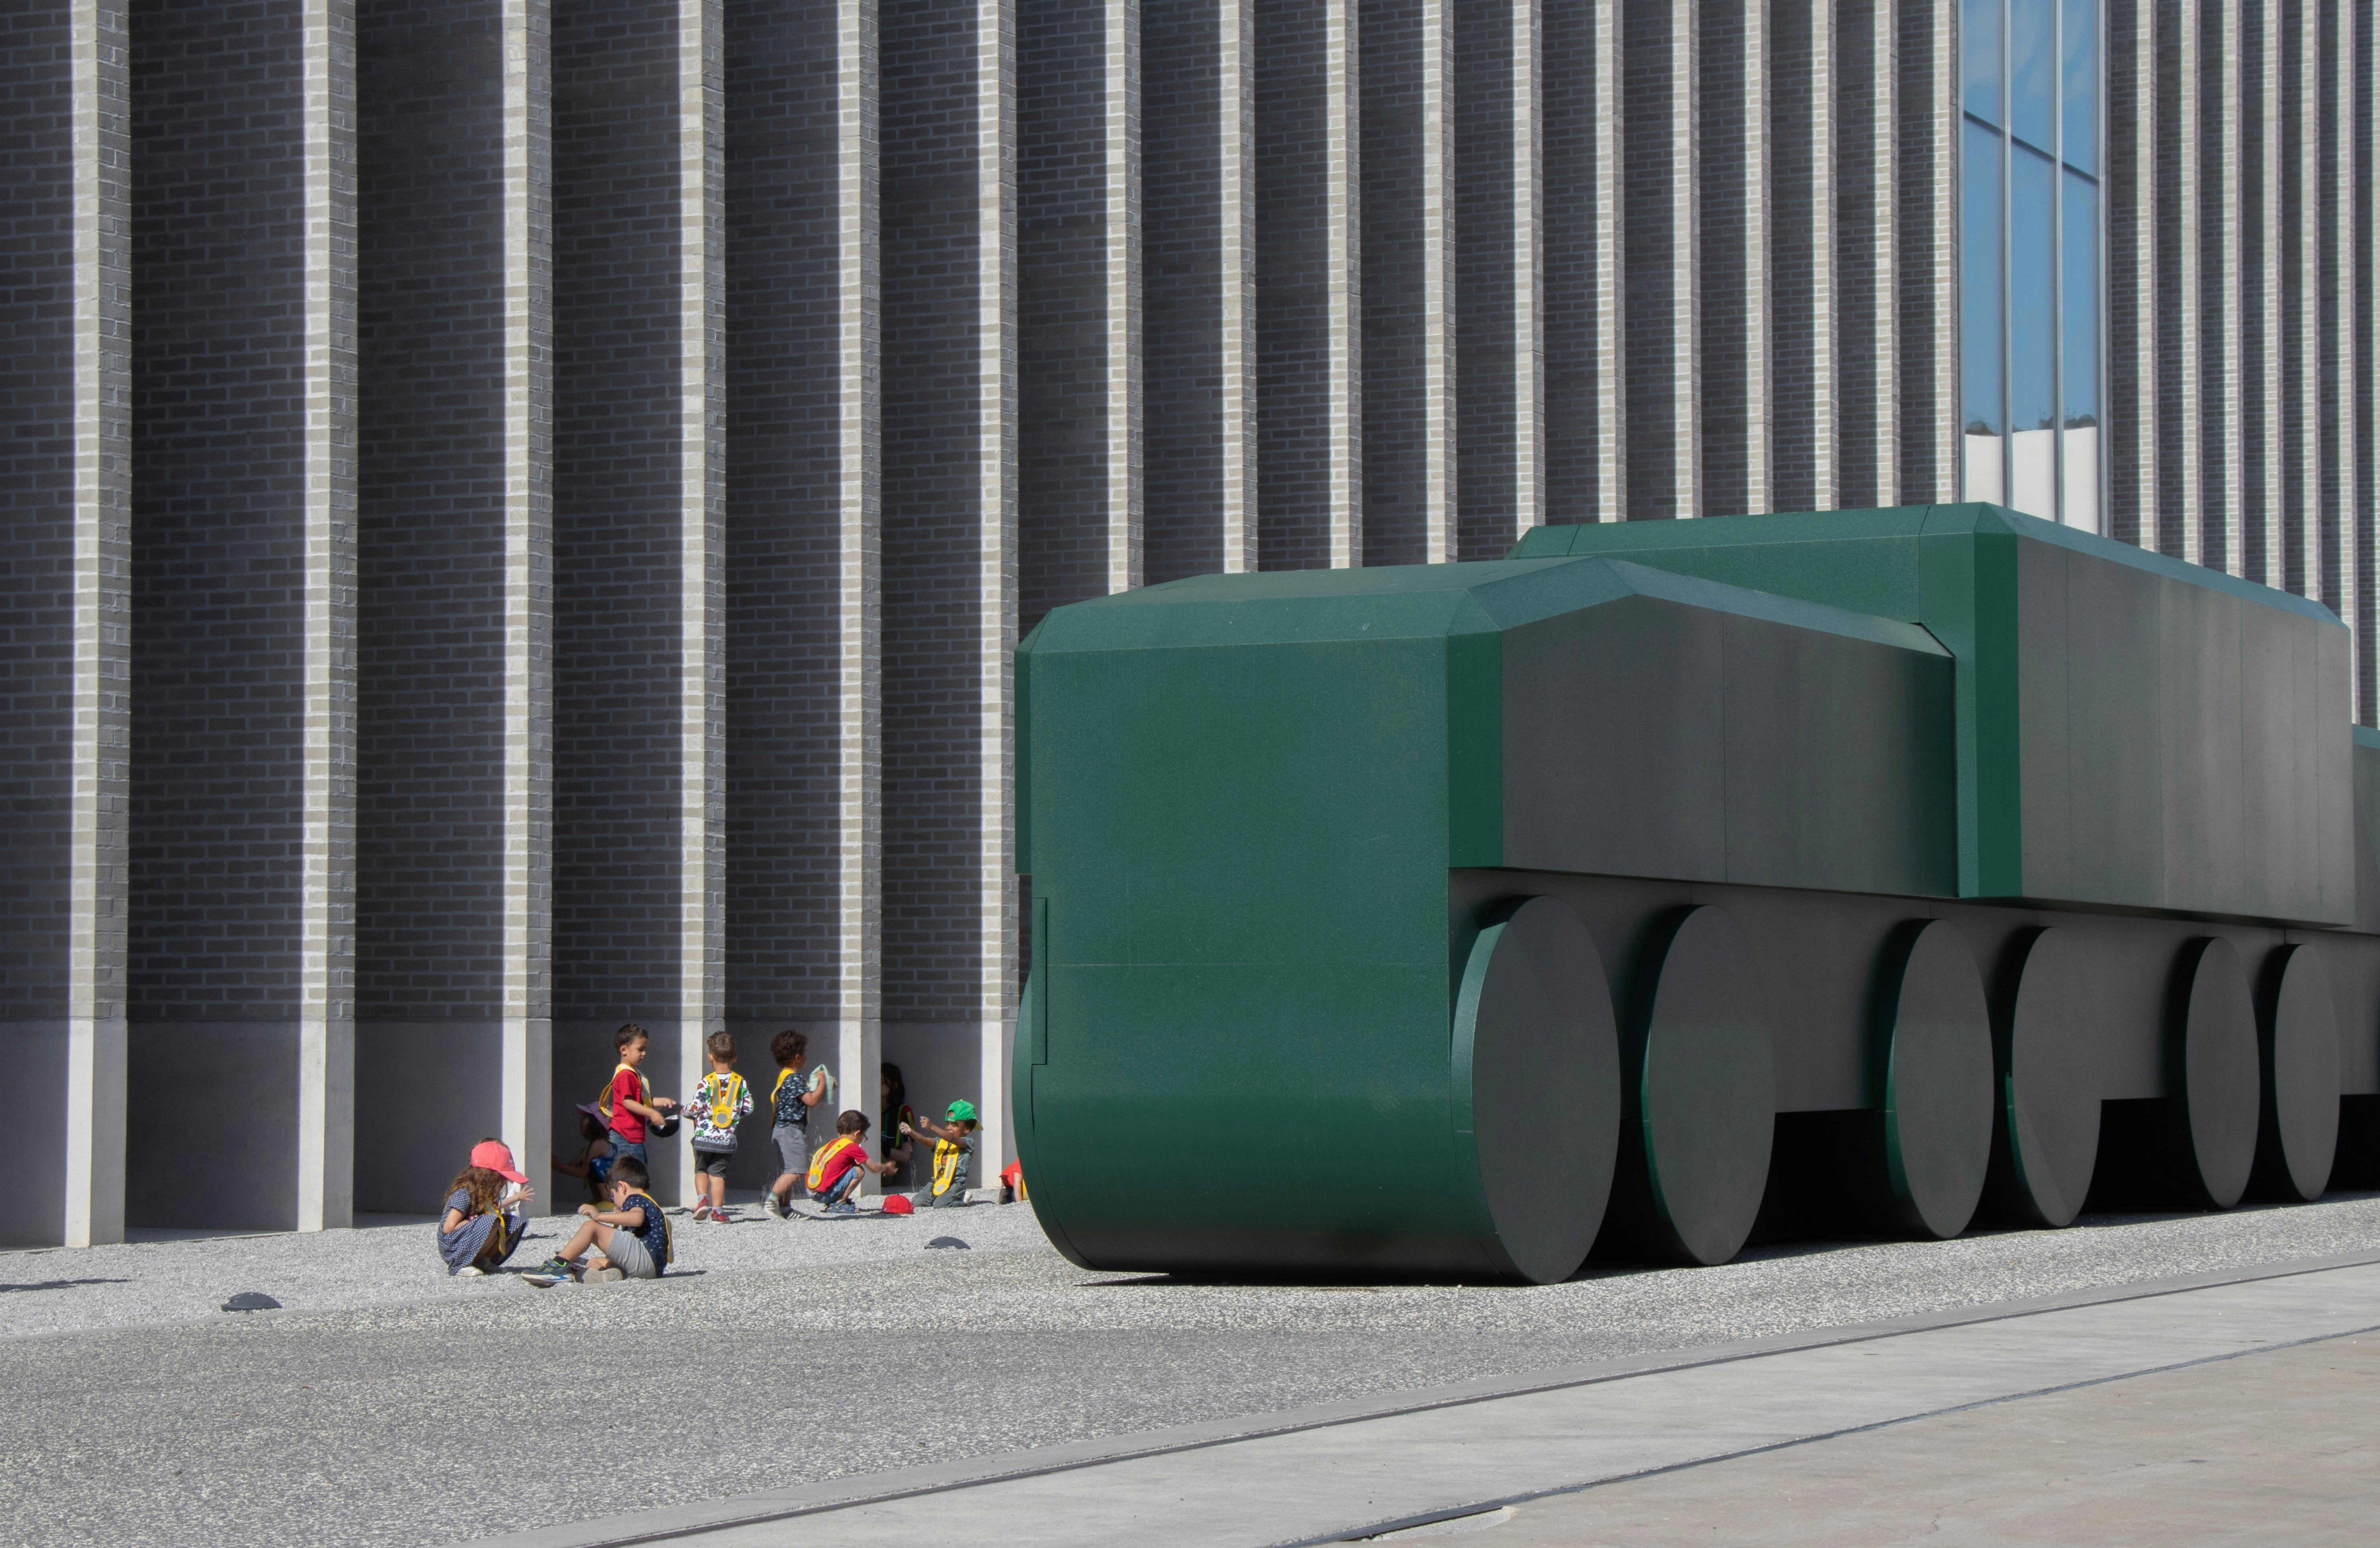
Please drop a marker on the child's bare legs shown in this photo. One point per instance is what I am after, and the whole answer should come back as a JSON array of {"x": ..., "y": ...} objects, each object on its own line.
[
  {"x": 784, "y": 1189},
  {"x": 593, "y": 1233}
]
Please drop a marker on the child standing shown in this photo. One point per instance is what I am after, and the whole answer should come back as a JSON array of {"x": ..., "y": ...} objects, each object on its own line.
[
  {"x": 718, "y": 1105},
  {"x": 629, "y": 1104},
  {"x": 483, "y": 1224},
  {"x": 791, "y": 1102},
  {"x": 835, "y": 1171},
  {"x": 631, "y": 1240},
  {"x": 951, "y": 1155},
  {"x": 594, "y": 1157}
]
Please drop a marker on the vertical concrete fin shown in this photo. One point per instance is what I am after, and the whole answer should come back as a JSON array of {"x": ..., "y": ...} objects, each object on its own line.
[
  {"x": 2223, "y": 211},
  {"x": 2340, "y": 530},
  {"x": 1867, "y": 255},
  {"x": 1528, "y": 270},
  {"x": 1236, "y": 192},
  {"x": 93, "y": 1200},
  {"x": 2359, "y": 164},
  {"x": 995, "y": 139},
  {"x": 1661, "y": 54},
  {"x": 1120, "y": 114},
  {"x": 2182, "y": 297},
  {"x": 2305, "y": 309},
  {"x": 702, "y": 613},
  {"x": 1441, "y": 541},
  {"x": 859, "y": 540},
  {"x": 2267, "y": 543},
  {"x": 325, "y": 1160},
  {"x": 1343, "y": 216},
  {"x": 1607, "y": 244},
  {"x": 528, "y": 1071}
]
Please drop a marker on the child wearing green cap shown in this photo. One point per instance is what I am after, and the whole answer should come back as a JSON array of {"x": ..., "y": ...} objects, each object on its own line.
[{"x": 951, "y": 1154}]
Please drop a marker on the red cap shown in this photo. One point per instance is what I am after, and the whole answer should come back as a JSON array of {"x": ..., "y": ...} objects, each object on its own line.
[
  {"x": 497, "y": 1157},
  {"x": 898, "y": 1203}
]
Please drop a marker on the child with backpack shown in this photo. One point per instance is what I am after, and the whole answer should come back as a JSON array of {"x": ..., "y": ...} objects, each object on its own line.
[
  {"x": 791, "y": 1100},
  {"x": 719, "y": 1104},
  {"x": 627, "y": 1104},
  {"x": 484, "y": 1223},
  {"x": 840, "y": 1164},
  {"x": 630, "y": 1240},
  {"x": 951, "y": 1155}
]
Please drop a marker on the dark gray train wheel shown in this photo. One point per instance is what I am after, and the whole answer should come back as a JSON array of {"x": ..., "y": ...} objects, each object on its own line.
[
  {"x": 2297, "y": 1138},
  {"x": 2045, "y": 1125},
  {"x": 1537, "y": 1086},
  {"x": 2213, "y": 1084},
  {"x": 1938, "y": 1081},
  {"x": 1701, "y": 1090}
]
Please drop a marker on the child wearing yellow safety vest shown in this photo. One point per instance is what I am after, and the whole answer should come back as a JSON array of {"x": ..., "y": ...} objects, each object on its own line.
[
  {"x": 951, "y": 1155},
  {"x": 840, "y": 1164},
  {"x": 627, "y": 1104},
  {"x": 790, "y": 1102},
  {"x": 719, "y": 1104}
]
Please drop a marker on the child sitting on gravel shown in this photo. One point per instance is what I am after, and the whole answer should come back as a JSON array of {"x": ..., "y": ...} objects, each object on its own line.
[
  {"x": 483, "y": 1224},
  {"x": 631, "y": 1240},
  {"x": 840, "y": 1164},
  {"x": 951, "y": 1155}
]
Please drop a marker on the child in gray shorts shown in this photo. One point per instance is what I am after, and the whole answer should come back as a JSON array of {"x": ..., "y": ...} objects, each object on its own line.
[{"x": 631, "y": 1240}]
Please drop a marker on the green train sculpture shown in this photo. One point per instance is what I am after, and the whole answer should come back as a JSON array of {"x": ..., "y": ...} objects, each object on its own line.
[{"x": 1863, "y": 870}]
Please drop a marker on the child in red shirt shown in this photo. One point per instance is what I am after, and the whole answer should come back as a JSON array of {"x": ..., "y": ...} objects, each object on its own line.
[
  {"x": 836, "y": 1169},
  {"x": 630, "y": 1100}
]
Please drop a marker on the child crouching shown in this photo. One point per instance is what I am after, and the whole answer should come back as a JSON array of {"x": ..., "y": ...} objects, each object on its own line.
[
  {"x": 483, "y": 1224},
  {"x": 840, "y": 1164},
  {"x": 630, "y": 1240}
]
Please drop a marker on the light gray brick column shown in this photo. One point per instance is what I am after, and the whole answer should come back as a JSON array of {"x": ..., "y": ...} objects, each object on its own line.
[
  {"x": 102, "y": 491},
  {"x": 1929, "y": 223},
  {"x": 1582, "y": 328},
  {"x": 2181, "y": 296},
  {"x": 1236, "y": 193},
  {"x": 995, "y": 162},
  {"x": 702, "y": 600},
  {"x": 2128, "y": 427},
  {"x": 1806, "y": 398},
  {"x": 2359, "y": 458},
  {"x": 1440, "y": 514},
  {"x": 1121, "y": 111},
  {"x": 1664, "y": 348},
  {"x": 2341, "y": 322},
  {"x": 1735, "y": 276},
  {"x": 2267, "y": 542},
  {"x": 1528, "y": 266},
  {"x": 2305, "y": 309},
  {"x": 860, "y": 818},
  {"x": 525, "y": 1118}
]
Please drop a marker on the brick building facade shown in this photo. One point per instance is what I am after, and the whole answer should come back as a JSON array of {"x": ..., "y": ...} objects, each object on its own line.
[{"x": 521, "y": 509}]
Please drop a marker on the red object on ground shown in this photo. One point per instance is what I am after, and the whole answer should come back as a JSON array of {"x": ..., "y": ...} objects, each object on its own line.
[{"x": 898, "y": 1203}]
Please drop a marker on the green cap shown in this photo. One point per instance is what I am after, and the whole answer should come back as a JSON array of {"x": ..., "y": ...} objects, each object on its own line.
[{"x": 962, "y": 1112}]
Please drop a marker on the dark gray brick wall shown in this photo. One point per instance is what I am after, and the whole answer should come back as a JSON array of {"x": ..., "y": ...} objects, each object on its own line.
[
  {"x": 218, "y": 379},
  {"x": 783, "y": 496},
  {"x": 37, "y": 547},
  {"x": 2260, "y": 522},
  {"x": 1803, "y": 344},
  {"x": 616, "y": 503},
  {"x": 1568, "y": 184},
  {"x": 1658, "y": 133},
  {"x": 1395, "y": 389},
  {"x": 430, "y": 663},
  {"x": 932, "y": 929},
  {"x": 1293, "y": 287},
  {"x": 2131, "y": 223},
  {"x": 1925, "y": 160},
  {"x": 1181, "y": 223},
  {"x": 1062, "y": 361},
  {"x": 1862, "y": 281},
  {"x": 1487, "y": 425},
  {"x": 1736, "y": 102}
]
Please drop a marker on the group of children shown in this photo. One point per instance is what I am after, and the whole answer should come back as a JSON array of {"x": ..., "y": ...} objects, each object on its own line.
[{"x": 485, "y": 1221}]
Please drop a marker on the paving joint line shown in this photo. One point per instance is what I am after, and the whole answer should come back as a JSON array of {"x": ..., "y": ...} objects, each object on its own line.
[
  {"x": 621, "y": 1533},
  {"x": 1457, "y": 1513}
]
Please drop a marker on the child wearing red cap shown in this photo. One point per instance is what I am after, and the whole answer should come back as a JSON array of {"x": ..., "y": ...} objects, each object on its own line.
[{"x": 483, "y": 1222}]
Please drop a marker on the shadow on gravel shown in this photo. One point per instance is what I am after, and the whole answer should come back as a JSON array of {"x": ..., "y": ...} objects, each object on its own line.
[{"x": 59, "y": 1285}]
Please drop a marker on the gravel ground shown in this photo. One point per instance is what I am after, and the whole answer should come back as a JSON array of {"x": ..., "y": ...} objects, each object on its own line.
[{"x": 389, "y": 1405}]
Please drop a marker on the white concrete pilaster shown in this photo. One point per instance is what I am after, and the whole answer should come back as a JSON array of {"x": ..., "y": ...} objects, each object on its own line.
[
  {"x": 2266, "y": 358},
  {"x": 1122, "y": 112},
  {"x": 1441, "y": 530},
  {"x": 1607, "y": 203},
  {"x": 325, "y": 1160},
  {"x": 859, "y": 589},
  {"x": 1236, "y": 192},
  {"x": 2226, "y": 489},
  {"x": 1931, "y": 433},
  {"x": 527, "y": 1116},
  {"x": 1342, "y": 198},
  {"x": 93, "y": 1203},
  {"x": 1528, "y": 269},
  {"x": 996, "y": 599}
]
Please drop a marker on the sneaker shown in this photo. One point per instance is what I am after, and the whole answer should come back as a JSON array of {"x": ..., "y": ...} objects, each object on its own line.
[
  {"x": 553, "y": 1268},
  {"x": 702, "y": 1209},
  {"x": 545, "y": 1281},
  {"x": 470, "y": 1271},
  {"x": 602, "y": 1276},
  {"x": 846, "y": 1207},
  {"x": 775, "y": 1206}
]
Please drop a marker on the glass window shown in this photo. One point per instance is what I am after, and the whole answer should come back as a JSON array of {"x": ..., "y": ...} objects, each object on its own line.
[
  {"x": 2033, "y": 71},
  {"x": 2032, "y": 291},
  {"x": 2080, "y": 64},
  {"x": 2081, "y": 284},
  {"x": 1979, "y": 57},
  {"x": 1979, "y": 278}
]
